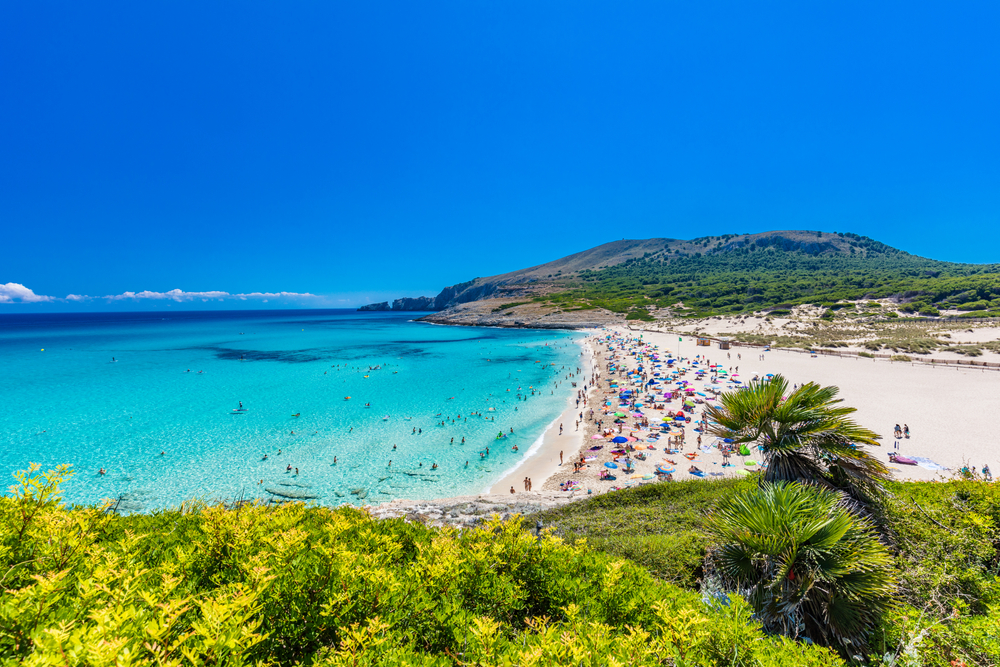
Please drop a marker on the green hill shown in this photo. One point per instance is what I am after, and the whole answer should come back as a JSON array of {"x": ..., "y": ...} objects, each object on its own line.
[{"x": 774, "y": 270}]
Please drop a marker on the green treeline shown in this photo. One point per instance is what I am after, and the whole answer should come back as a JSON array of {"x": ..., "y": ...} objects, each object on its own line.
[{"x": 775, "y": 272}]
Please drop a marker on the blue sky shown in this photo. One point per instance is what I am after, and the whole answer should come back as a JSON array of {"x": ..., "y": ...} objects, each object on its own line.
[{"x": 364, "y": 150}]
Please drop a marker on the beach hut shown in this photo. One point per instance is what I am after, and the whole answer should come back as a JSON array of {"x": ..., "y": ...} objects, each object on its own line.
[
  {"x": 705, "y": 342},
  {"x": 724, "y": 343}
]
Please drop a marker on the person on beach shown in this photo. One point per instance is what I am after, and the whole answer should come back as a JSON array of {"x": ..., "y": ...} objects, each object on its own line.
[
  {"x": 512, "y": 490},
  {"x": 560, "y": 457},
  {"x": 906, "y": 431}
]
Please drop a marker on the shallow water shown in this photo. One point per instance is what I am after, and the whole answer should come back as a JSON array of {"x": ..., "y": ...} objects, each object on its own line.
[{"x": 71, "y": 404}]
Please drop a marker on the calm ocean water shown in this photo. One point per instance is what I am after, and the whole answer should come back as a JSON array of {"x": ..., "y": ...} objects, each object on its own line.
[{"x": 72, "y": 404}]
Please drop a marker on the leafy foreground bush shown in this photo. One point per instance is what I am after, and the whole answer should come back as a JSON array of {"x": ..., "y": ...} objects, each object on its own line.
[
  {"x": 809, "y": 567},
  {"x": 945, "y": 546},
  {"x": 290, "y": 584}
]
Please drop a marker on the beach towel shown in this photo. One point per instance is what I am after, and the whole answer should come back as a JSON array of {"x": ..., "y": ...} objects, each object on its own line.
[{"x": 924, "y": 462}]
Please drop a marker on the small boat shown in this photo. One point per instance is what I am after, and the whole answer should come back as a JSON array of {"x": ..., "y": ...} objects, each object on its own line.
[
  {"x": 386, "y": 418},
  {"x": 238, "y": 411},
  {"x": 297, "y": 414}
]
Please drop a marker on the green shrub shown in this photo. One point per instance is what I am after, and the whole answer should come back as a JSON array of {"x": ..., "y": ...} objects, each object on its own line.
[
  {"x": 867, "y": 355},
  {"x": 808, "y": 565},
  {"x": 290, "y": 584},
  {"x": 900, "y": 357},
  {"x": 930, "y": 311},
  {"x": 505, "y": 306}
]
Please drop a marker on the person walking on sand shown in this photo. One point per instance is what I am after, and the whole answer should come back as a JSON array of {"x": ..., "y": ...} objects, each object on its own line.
[
  {"x": 906, "y": 431},
  {"x": 560, "y": 457}
]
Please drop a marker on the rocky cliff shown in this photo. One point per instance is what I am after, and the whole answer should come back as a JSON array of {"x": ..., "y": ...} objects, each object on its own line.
[{"x": 382, "y": 305}]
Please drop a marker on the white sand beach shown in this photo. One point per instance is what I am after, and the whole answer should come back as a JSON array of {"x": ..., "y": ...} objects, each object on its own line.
[{"x": 949, "y": 411}]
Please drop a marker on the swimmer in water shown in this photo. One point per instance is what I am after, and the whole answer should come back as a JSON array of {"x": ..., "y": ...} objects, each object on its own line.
[
  {"x": 334, "y": 460},
  {"x": 264, "y": 458},
  {"x": 102, "y": 471},
  {"x": 394, "y": 448},
  {"x": 296, "y": 471},
  {"x": 390, "y": 464},
  {"x": 289, "y": 467},
  {"x": 434, "y": 467}
]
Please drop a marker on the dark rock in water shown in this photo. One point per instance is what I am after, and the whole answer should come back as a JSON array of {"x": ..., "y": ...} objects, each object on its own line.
[
  {"x": 338, "y": 494},
  {"x": 298, "y": 486},
  {"x": 356, "y": 491},
  {"x": 293, "y": 495},
  {"x": 418, "y": 303},
  {"x": 382, "y": 305}
]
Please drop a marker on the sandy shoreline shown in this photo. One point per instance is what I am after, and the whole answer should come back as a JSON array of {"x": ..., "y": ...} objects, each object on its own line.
[
  {"x": 949, "y": 412},
  {"x": 544, "y": 461}
]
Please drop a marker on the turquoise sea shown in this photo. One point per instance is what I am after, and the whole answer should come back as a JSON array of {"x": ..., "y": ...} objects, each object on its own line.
[{"x": 176, "y": 379}]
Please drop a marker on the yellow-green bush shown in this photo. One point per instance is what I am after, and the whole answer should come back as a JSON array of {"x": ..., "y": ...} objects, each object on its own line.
[{"x": 289, "y": 584}]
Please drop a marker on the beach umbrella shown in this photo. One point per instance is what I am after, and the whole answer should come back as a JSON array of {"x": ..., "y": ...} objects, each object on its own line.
[
  {"x": 619, "y": 439},
  {"x": 678, "y": 418},
  {"x": 610, "y": 465}
]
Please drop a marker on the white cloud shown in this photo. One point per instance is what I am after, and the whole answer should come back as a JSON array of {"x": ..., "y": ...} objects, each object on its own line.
[
  {"x": 181, "y": 295},
  {"x": 17, "y": 293}
]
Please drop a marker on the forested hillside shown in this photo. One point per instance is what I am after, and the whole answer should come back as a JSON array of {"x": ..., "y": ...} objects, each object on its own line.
[{"x": 733, "y": 274}]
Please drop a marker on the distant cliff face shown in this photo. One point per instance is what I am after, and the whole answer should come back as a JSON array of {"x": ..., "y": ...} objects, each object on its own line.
[
  {"x": 422, "y": 303},
  {"x": 382, "y": 305}
]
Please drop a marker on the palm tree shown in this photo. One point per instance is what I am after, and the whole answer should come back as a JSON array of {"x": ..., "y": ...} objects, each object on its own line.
[
  {"x": 808, "y": 566},
  {"x": 803, "y": 435}
]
